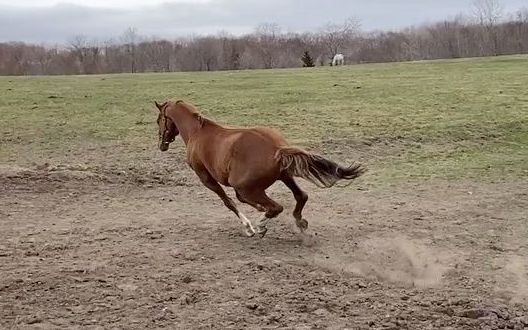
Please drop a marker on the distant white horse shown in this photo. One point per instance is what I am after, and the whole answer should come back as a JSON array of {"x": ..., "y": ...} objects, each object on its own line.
[{"x": 339, "y": 59}]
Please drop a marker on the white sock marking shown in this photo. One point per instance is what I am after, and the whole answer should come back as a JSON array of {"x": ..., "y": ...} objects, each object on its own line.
[{"x": 246, "y": 221}]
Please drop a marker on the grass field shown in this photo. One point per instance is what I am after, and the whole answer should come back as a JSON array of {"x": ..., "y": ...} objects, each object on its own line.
[{"x": 442, "y": 119}]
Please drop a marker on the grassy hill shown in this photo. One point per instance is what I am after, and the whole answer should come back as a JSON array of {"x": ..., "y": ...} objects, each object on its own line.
[{"x": 451, "y": 119}]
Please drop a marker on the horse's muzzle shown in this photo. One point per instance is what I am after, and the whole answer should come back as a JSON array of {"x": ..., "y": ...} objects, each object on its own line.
[{"x": 164, "y": 146}]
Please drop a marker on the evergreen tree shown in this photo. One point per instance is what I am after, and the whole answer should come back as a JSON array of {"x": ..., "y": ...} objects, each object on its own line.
[{"x": 307, "y": 60}]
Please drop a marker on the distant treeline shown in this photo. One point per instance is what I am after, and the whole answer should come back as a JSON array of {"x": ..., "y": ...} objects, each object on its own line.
[{"x": 486, "y": 33}]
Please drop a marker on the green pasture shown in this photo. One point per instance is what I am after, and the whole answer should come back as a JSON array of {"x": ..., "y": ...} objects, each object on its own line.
[{"x": 457, "y": 119}]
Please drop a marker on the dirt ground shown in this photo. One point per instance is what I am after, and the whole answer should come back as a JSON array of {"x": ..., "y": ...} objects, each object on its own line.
[{"x": 108, "y": 249}]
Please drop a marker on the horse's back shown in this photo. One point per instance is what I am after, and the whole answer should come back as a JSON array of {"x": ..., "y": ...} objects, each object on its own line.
[
  {"x": 256, "y": 144},
  {"x": 272, "y": 135}
]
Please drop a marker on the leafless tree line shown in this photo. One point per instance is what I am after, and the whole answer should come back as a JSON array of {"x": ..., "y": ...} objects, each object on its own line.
[{"x": 488, "y": 32}]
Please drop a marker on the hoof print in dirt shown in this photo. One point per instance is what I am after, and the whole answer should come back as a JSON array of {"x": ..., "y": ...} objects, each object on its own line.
[
  {"x": 186, "y": 279},
  {"x": 445, "y": 310},
  {"x": 475, "y": 313},
  {"x": 188, "y": 298},
  {"x": 154, "y": 234},
  {"x": 252, "y": 306}
]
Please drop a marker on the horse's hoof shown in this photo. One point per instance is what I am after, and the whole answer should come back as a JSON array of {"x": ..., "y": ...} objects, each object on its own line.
[
  {"x": 249, "y": 232},
  {"x": 302, "y": 224},
  {"x": 262, "y": 231}
]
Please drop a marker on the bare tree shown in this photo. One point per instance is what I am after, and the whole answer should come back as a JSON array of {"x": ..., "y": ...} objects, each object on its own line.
[
  {"x": 267, "y": 40},
  {"x": 207, "y": 50},
  {"x": 522, "y": 15},
  {"x": 130, "y": 39},
  {"x": 488, "y": 12},
  {"x": 45, "y": 58},
  {"x": 230, "y": 49},
  {"x": 491, "y": 33},
  {"x": 86, "y": 52},
  {"x": 521, "y": 27},
  {"x": 155, "y": 55},
  {"x": 19, "y": 52},
  {"x": 79, "y": 45}
]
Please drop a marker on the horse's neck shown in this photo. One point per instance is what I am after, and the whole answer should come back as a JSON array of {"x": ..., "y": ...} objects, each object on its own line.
[{"x": 186, "y": 121}]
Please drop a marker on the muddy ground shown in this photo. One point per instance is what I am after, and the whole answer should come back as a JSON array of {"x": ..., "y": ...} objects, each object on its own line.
[{"x": 107, "y": 249}]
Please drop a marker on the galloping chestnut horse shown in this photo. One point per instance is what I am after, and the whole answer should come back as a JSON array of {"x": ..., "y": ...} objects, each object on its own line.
[{"x": 248, "y": 159}]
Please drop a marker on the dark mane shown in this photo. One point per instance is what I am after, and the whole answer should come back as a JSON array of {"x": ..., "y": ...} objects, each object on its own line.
[
  {"x": 201, "y": 118},
  {"x": 204, "y": 120}
]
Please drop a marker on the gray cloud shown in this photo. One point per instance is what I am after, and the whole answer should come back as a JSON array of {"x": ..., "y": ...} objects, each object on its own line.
[{"x": 60, "y": 22}]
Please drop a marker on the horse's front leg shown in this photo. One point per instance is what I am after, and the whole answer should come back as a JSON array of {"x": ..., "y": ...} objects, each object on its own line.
[
  {"x": 258, "y": 199},
  {"x": 212, "y": 184}
]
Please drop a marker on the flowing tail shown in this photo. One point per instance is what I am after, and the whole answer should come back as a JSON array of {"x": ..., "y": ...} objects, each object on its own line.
[{"x": 320, "y": 171}]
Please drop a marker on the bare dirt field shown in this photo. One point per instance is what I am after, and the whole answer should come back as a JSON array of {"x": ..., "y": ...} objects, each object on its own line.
[{"x": 96, "y": 250}]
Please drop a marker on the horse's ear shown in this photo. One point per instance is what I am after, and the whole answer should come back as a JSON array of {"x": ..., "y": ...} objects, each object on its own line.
[{"x": 159, "y": 106}]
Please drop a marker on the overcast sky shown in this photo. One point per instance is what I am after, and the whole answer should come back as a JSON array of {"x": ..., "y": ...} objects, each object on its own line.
[{"x": 57, "y": 21}]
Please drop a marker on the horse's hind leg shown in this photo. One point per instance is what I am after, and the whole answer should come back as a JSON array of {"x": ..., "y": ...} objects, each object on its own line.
[
  {"x": 258, "y": 199},
  {"x": 259, "y": 207},
  {"x": 301, "y": 198},
  {"x": 211, "y": 183}
]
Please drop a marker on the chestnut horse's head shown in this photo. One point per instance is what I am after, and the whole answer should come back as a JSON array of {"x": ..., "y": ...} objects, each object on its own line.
[{"x": 167, "y": 129}]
